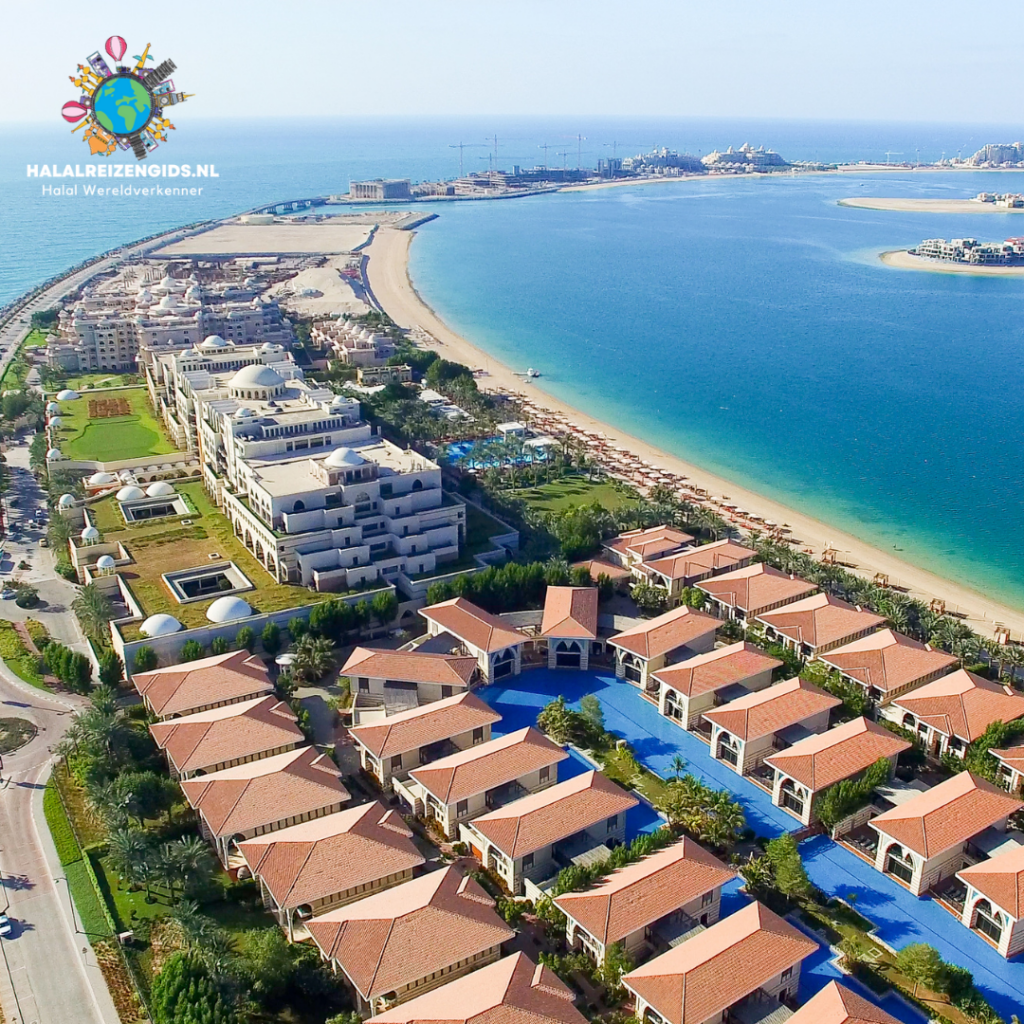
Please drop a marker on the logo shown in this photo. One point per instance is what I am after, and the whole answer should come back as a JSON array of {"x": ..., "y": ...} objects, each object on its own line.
[{"x": 125, "y": 108}]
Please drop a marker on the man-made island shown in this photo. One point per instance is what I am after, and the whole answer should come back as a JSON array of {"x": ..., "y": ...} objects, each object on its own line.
[
  {"x": 961, "y": 256},
  {"x": 983, "y": 202}
]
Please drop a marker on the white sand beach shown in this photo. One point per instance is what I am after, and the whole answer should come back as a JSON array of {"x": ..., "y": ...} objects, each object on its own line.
[
  {"x": 901, "y": 259},
  {"x": 927, "y": 205}
]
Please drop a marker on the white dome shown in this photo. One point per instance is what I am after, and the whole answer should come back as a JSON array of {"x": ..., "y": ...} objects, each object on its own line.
[
  {"x": 245, "y": 413},
  {"x": 130, "y": 494},
  {"x": 225, "y": 609},
  {"x": 160, "y": 625},
  {"x": 341, "y": 457},
  {"x": 105, "y": 562},
  {"x": 256, "y": 375},
  {"x": 66, "y": 501},
  {"x": 67, "y": 395},
  {"x": 214, "y": 341},
  {"x": 90, "y": 533},
  {"x": 159, "y": 489},
  {"x": 98, "y": 479},
  {"x": 52, "y": 408},
  {"x": 53, "y": 455},
  {"x": 55, "y": 421},
  {"x": 168, "y": 302}
]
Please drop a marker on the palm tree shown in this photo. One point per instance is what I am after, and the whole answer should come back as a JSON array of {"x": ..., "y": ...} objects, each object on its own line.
[
  {"x": 193, "y": 860},
  {"x": 129, "y": 855},
  {"x": 93, "y": 609},
  {"x": 314, "y": 655},
  {"x": 678, "y": 765}
]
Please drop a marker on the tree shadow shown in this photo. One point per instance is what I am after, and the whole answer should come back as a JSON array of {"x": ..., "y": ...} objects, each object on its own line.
[{"x": 17, "y": 883}]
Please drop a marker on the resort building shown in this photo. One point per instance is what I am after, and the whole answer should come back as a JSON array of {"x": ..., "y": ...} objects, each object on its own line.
[
  {"x": 391, "y": 747},
  {"x": 745, "y": 964},
  {"x": 886, "y": 664},
  {"x": 692, "y": 687},
  {"x": 953, "y": 711},
  {"x": 513, "y": 990},
  {"x": 749, "y": 592},
  {"x": 252, "y": 799},
  {"x": 688, "y": 567},
  {"x": 747, "y": 730},
  {"x": 817, "y": 624},
  {"x": 650, "y": 645},
  {"x": 471, "y": 782},
  {"x": 204, "y": 684},
  {"x": 569, "y": 625},
  {"x": 223, "y": 737},
  {"x": 496, "y": 646},
  {"x": 812, "y": 765},
  {"x": 924, "y": 840},
  {"x": 636, "y": 546},
  {"x": 310, "y": 869},
  {"x": 598, "y": 567},
  {"x": 534, "y": 837},
  {"x": 396, "y": 945},
  {"x": 836, "y": 1004},
  {"x": 351, "y": 343},
  {"x": 994, "y": 901},
  {"x": 648, "y": 905},
  {"x": 1011, "y": 767}
]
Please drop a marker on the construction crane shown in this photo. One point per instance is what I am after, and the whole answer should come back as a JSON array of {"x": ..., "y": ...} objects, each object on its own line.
[
  {"x": 545, "y": 146},
  {"x": 889, "y": 153},
  {"x": 580, "y": 139},
  {"x": 460, "y": 147}
]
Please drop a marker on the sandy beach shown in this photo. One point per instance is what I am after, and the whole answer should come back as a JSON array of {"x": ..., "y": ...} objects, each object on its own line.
[
  {"x": 387, "y": 273},
  {"x": 927, "y": 205},
  {"x": 903, "y": 260}
]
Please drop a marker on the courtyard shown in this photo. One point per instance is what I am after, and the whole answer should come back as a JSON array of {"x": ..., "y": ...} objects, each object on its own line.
[{"x": 111, "y": 425}]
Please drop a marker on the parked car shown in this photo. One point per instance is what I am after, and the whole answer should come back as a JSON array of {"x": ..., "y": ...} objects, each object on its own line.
[{"x": 5, "y": 927}]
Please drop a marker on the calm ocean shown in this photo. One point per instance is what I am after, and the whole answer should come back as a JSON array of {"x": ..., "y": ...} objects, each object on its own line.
[{"x": 746, "y": 325}]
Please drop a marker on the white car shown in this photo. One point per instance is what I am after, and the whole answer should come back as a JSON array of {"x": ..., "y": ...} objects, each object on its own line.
[{"x": 5, "y": 926}]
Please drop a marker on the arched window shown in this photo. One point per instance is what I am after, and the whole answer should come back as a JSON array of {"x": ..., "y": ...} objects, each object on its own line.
[
  {"x": 908, "y": 721},
  {"x": 988, "y": 920},
  {"x": 632, "y": 668},
  {"x": 791, "y": 796},
  {"x": 899, "y": 863},
  {"x": 299, "y": 506},
  {"x": 568, "y": 654},
  {"x": 728, "y": 749},
  {"x": 417, "y": 485}
]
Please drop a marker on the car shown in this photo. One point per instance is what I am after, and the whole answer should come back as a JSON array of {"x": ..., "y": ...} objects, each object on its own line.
[
  {"x": 9, "y": 595},
  {"x": 6, "y": 929}
]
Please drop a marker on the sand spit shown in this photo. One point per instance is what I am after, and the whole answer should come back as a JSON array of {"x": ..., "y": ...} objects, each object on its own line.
[
  {"x": 901, "y": 259},
  {"x": 927, "y": 205}
]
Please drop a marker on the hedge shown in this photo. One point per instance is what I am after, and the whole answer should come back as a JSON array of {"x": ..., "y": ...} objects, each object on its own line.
[{"x": 68, "y": 849}]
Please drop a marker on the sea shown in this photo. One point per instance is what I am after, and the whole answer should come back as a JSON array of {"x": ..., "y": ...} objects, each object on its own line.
[{"x": 745, "y": 325}]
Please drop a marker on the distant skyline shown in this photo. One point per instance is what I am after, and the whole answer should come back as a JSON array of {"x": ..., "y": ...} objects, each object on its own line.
[{"x": 909, "y": 60}]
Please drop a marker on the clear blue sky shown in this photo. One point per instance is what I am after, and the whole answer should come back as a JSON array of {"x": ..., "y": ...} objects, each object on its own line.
[{"x": 901, "y": 60}]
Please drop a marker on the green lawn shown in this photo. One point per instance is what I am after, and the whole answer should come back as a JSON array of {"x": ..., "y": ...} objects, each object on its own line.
[
  {"x": 480, "y": 527},
  {"x": 87, "y": 381},
  {"x": 133, "y": 436},
  {"x": 571, "y": 490},
  {"x": 91, "y": 918},
  {"x": 35, "y": 339}
]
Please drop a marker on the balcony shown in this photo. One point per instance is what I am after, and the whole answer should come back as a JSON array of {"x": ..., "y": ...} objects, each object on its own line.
[{"x": 502, "y": 795}]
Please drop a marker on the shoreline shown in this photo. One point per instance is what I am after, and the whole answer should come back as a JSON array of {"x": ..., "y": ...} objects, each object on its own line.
[
  {"x": 902, "y": 259},
  {"x": 387, "y": 274},
  {"x": 894, "y": 205}
]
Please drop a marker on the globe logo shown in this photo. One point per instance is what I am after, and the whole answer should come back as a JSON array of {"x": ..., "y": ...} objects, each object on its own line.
[{"x": 122, "y": 105}]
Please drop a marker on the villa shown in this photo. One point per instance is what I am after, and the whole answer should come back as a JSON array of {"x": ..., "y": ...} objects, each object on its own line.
[
  {"x": 209, "y": 741},
  {"x": 994, "y": 902},
  {"x": 496, "y": 646},
  {"x": 745, "y": 594},
  {"x": 749, "y": 729},
  {"x": 836, "y": 1004},
  {"x": 1011, "y": 767},
  {"x": 311, "y": 868},
  {"x": 391, "y": 747},
  {"x": 747, "y": 964},
  {"x": 812, "y": 765},
  {"x": 817, "y": 624},
  {"x": 569, "y": 625},
  {"x": 690, "y": 566},
  {"x": 636, "y": 546},
  {"x": 953, "y": 711},
  {"x": 468, "y": 783},
  {"x": 535, "y": 836},
  {"x": 649, "y": 904},
  {"x": 886, "y": 664},
  {"x": 652, "y": 644},
  {"x": 252, "y": 799},
  {"x": 398, "y": 944},
  {"x": 692, "y": 687}
]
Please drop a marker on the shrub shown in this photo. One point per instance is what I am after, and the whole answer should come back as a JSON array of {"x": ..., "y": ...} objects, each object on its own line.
[
  {"x": 271, "y": 638},
  {"x": 847, "y": 797},
  {"x": 26, "y": 597},
  {"x": 220, "y": 645},
  {"x": 246, "y": 639},
  {"x": 192, "y": 650},
  {"x": 145, "y": 660},
  {"x": 68, "y": 850},
  {"x": 297, "y": 628},
  {"x": 111, "y": 669}
]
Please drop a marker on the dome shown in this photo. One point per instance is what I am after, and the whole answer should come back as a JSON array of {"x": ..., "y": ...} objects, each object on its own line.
[
  {"x": 99, "y": 479},
  {"x": 256, "y": 375},
  {"x": 160, "y": 625},
  {"x": 159, "y": 489},
  {"x": 53, "y": 455},
  {"x": 214, "y": 341},
  {"x": 52, "y": 408},
  {"x": 130, "y": 494},
  {"x": 105, "y": 562},
  {"x": 67, "y": 395},
  {"x": 90, "y": 533},
  {"x": 244, "y": 413},
  {"x": 55, "y": 421},
  {"x": 342, "y": 457},
  {"x": 225, "y": 609},
  {"x": 167, "y": 302},
  {"x": 66, "y": 501}
]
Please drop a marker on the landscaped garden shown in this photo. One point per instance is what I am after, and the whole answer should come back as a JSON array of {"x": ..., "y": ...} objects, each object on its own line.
[{"x": 110, "y": 426}]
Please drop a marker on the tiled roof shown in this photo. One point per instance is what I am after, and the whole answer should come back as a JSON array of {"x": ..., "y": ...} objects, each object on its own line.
[
  {"x": 962, "y": 704},
  {"x": 767, "y": 711},
  {"x": 570, "y": 612},
  {"x": 487, "y": 765},
  {"x": 410, "y": 666},
  {"x": 651, "y": 542},
  {"x": 697, "y": 562},
  {"x": 1012, "y": 757},
  {"x": 262, "y": 792},
  {"x": 473, "y": 625},
  {"x": 639, "y": 894},
  {"x": 820, "y": 620},
  {"x": 597, "y": 566},
  {"x": 725, "y": 666},
  {"x": 946, "y": 815},
  {"x": 534, "y": 821},
  {"x": 330, "y": 855},
  {"x": 419, "y": 727},
  {"x": 835, "y": 1004},
  {"x": 888, "y": 660},
  {"x": 179, "y": 689},
  {"x": 1000, "y": 880},
  {"x": 823, "y": 760},
  {"x": 206, "y": 738},
  {"x": 755, "y": 587},
  {"x": 666, "y": 632},
  {"x": 408, "y": 932},
  {"x": 700, "y": 978}
]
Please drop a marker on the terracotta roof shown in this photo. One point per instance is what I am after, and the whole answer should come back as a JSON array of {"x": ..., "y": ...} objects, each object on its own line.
[
  {"x": 473, "y": 625},
  {"x": 700, "y": 978},
  {"x": 666, "y": 632},
  {"x": 835, "y": 1004},
  {"x": 512, "y": 991},
  {"x": 223, "y": 734},
  {"x": 821, "y": 761},
  {"x": 962, "y": 704},
  {"x": 408, "y": 932},
  {"x": 431, "y": 723},
  {"x": 755, "y": 587},
  {"x": 767, "y": 711},
  {"x": 597, "y": 566},
  {"x": 410, "y": 666},
  {"x": 330, "y": 855},
  {"x": 1000, "y": 880},
  {"x": 641, "y": 893},
  {"x": 697, "y": 562},
  {"x": 888, "y": 660},
  {"x": 179, "y": 689},
  {"x": 570, "y": 612},
  {"x": 487, "y": 765},
  {"x": 1012, "y": 757},
  {"x": 820, "y": 620},
  {"x": 528, "y": 824},
  {"x": 725, "y": 666},
  {"x": 262, "y": 792},
  {"x": 946, "y": 815},
  {"x": 651, "y": 542}
]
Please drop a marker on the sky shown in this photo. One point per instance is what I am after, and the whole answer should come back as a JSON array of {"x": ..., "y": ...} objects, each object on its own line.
[{"x": 875, "y": 60}]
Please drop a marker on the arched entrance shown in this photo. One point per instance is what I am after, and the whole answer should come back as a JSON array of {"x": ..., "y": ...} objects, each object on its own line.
[
  {"x": 987, "y": 920},
  {"x": 899, "y": 863},
  {"x": 567, "y": 654}
]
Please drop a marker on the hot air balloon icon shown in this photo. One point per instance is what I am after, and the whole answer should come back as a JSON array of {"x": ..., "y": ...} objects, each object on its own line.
[
  {"x": 73, "y": 111},
  {"x": 115, "y": 47}
]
